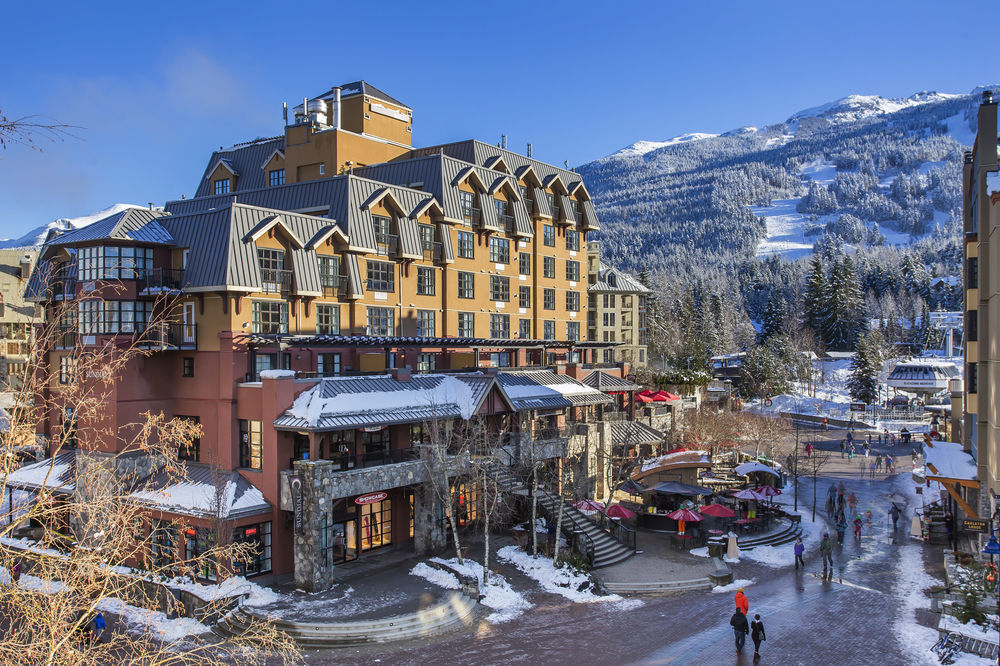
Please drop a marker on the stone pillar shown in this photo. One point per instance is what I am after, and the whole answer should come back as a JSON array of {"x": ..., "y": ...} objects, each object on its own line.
[
  {"x": 312, "y": 571},
  {"x": 429, "y": 535}
]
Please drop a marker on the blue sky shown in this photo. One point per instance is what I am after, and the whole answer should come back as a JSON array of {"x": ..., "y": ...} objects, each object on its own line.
[{"x": 155, "y": 87}]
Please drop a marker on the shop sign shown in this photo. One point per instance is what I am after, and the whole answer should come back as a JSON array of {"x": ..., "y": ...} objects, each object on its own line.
[
  {"x": 371, "y": 498},
  {"x": 974, "y": 525},
  {"x": 296, "y": 485},
  {"x": 858, "y": 406},
  {"x": 374, "y": 428}
]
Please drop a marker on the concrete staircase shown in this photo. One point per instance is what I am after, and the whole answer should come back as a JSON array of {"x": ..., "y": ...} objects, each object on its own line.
[
  {"x": 789, "y": 534},
  {"x": 607, "y": 550},
  {"x": 455, "y": 611},
  {"x": 667, "y": 587}
]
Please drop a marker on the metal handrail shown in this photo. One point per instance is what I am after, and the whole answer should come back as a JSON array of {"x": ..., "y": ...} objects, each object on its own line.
[
  {"x": 160, "y": 278},
  {"x": 390, "y": 241},
  {"x": 275, "y": 280},
  {"x": 473, "y": 215}
]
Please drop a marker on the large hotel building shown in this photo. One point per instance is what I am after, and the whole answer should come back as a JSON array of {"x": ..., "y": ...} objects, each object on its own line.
[
  {"x": 981, "y": 218},
  {"x": 332, "y": 290}
]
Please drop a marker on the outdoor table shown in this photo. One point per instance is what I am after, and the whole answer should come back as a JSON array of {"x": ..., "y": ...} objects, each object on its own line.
[{"x": 682, "y": 541}]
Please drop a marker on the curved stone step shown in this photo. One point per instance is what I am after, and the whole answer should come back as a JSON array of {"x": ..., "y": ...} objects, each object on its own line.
[
  {"x": 779, "y": 539},
  {"x": 454, "y": 611},
  {"x": 665, "y": 587}
]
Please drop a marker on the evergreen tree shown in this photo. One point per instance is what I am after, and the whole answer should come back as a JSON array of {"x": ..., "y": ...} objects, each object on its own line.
[
  {"x": 817, "y": 297},
  {"x": 863, "y": 381},
  {"x": 775, "y": 315},
  {"x": 846, "y": 319}
]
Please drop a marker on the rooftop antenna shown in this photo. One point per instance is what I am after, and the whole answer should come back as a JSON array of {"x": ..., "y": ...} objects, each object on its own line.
[{"x": 529, "y": 149}]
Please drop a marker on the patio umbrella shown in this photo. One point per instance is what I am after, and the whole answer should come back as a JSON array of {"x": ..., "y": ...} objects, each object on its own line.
[
  {"x": 676, "y": 488},
  {"x": 659, "y": 397},
  {"x": 718, "y": 511},
  {"x": 618, "y": 511},
  {"x": 667, "y": 396},
  {"x": 749, "y": 494},
  {"x": 643, "y": 398},
  {"x": 632, "y": 487},
  {"x": 683, "y": 516},
  {"x": 768, "y": 491},
  {"x": 754, "y": 466},
  {"x": 589, "y": 506}
]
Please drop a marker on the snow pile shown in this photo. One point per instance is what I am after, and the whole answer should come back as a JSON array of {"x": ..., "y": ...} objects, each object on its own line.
[
  {"x": 506, "y": 602},
  {"x": 276, "y": 374},
  {"x": 435, "y": 576},
  {"x": 565, "y": 582},
  {"x": 734, "y": 586},
  {"x": 449, "y": 391},
  {"x": 152, "y": 622},
  {"x": 972, "y": 630},
  {"x": 699, "y": 552},
  {"x": 771, "y": 556},
  {"x": 256, "y": 595}
]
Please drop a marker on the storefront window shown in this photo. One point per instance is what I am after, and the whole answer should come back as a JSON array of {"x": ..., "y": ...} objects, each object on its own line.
[
  {"x": 197, "y": 542},
  {"x": 375, "y": 521},
  {"x": 163, "y": 547},
  {"x": 466, "y": 503},
  {"x": 259, "y": 536},
  {"x": 340, "y": 537}
]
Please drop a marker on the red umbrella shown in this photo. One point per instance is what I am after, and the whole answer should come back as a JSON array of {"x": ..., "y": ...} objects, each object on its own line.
[
  {"x": 666, "y": 395},
  {"x": 717, "y": 510},
  {"x": 589, "y": 506},
  {"x": 643, "y": 398},
  {"x": 618, "y": 511},
  {"x": 749, "y": 494},
  {"x": 659, "y": 397},
  {"x": 768, "y": 491},
  {"x": 684, "y": 516}
]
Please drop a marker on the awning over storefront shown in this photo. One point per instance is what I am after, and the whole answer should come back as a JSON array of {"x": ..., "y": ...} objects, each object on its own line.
[
  {"x": 531, "y": 390},
  {"x": 608, "y": 383},
  {"x": 634, "y": 432},
  {"x": 948, "y": 464}
]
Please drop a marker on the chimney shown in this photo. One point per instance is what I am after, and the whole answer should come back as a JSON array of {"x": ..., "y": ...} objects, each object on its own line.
[
  {"x": 336, "y": 108},
  {"x": 25, "y": 267},
  {"x": 284, "y": 112},
  {"x": 529, "y": 150},
  {"x": 503, "y": 141},
  {"x": 401, "y": 374},
  {"x": 986, "y": 136}
]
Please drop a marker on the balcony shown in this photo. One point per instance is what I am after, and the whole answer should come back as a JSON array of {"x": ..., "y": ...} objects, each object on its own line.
[
  {"x": 387, "y": 245},
  {"x": 159, "y": 280},
  {"x": 432, "y": 251},
  {"x": 473, "y": 216},
  {"x": 334, "y": 285},
  {"x": 275, "y": 281},
  {"x": 530, "y": 205},
  {"x": 167, "y": 336},
  {"x": 508, "y": 224}
]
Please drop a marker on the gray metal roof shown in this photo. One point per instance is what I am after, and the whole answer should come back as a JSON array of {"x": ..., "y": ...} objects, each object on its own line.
[
  {"x": 543, "y": 389},
  {"x": 603, "y": 381},
  {"x": 634, "y": 432},
  {"x": 361, "y": 88},
  {"x": 246, "y": 159},
  {"x": 610, "y": 279},
  {"x": 355, "y": 412},
  {"x": 414, "y": 341},
  {"x": 199, "y": 491},
  {"x": 224, "y": 257},
  {"x": 57, "y": 474},
  {"x": 137, "y": 225}
]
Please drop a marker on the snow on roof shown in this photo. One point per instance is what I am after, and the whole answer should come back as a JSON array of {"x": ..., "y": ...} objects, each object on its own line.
[
  {"x": 544, "y": 389},
  {"x": 57, "y": 474},
  {"x": 949, "y": 461},
  {"x": 676, "y": 458},
  {"x": 204, "y": 492},
  {"x": 382, "y": 393}
]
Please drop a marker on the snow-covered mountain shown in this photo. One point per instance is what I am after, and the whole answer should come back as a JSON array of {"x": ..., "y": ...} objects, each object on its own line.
[
  {"x": 36, "y": 237},
  {"x": 863, "y": 169}
]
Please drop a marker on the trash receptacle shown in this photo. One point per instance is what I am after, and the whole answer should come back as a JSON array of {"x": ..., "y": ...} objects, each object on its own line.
[{"x": 716, "y": 547}]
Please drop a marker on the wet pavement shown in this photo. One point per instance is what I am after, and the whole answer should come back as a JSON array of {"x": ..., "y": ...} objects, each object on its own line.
[{"x": 861, "y": 616}]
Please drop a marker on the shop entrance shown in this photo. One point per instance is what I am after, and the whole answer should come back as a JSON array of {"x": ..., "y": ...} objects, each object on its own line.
[
  {"x": 341, "y": 533},
  {"x": 375, "y": 524}
]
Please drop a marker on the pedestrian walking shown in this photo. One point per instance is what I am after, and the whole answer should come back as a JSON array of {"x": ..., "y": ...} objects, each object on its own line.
[
  {"x": 740, "y": 628},
  {"x": 850, "y": 453},
  {"x": 878, "y": 463},
  {"x": 867, "y": 448},
  {"x": 868, "y": 518},
  {"x": 757, "y": 635},
  {"x": 840, "y": 503},
  {"x": 841, "y": 488},
  {"x": 843, "y": 448},
  {"x": 826, "y": 550},
  {"x": 852, "y": 501},
  {"x": 886, "y": 433},
  {"x": 841, "y": 526},
  {"x": 851, "y": 424},
  {"x": 799, "y": 549},
  {"x": 890, "y": 465},
  {"x": 741, "y": 601},
  {"x": 857, "y": 527},
  {"x": 869, "y": 440},
  {"x": 894, "y": 513},
  {"x": 97, "y": 628},
  {"x": 871, "y": 469},
  {"x": 826, "y": 424}
]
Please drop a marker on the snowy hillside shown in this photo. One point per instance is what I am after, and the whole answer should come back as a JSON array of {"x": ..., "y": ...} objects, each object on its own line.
[
  {"x": 863, "y": 170},
  {"x": 36, "y": 236}
]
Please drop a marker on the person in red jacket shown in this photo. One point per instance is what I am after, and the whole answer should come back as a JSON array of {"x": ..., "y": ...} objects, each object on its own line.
[{"x": 741, "y": 601}]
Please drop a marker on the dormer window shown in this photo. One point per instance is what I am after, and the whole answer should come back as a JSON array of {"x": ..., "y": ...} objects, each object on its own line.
[
  {"x": 222, "y": 186},
  {"x": 469, "y": 211},
  {"x": 385, "y": 242},
  {"x": 273, "y": 276},
  {"x": 276, "y": 177}
]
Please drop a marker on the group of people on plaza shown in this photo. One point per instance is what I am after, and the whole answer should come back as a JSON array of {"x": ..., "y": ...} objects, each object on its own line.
[{"x": 741, "y": 627}]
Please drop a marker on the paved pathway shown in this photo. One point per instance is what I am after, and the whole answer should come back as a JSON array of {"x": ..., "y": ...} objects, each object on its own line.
[{"x": 857, "y": 618}]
